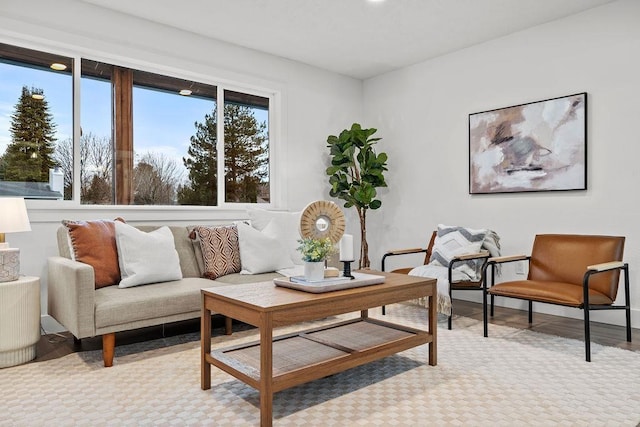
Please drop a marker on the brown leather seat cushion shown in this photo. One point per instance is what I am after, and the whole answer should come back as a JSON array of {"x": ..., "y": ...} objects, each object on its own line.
[{"x": 550, "y": 292}]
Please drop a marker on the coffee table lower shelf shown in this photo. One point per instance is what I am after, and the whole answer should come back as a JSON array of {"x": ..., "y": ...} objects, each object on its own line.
[{"x": 312, "y": 354}]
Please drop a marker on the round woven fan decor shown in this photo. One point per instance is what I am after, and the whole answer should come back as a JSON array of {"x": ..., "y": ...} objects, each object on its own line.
[{"x": 322, "y": 219}]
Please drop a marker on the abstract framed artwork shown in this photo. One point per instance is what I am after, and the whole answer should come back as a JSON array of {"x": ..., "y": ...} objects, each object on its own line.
[{"x": 539, "y": 146}]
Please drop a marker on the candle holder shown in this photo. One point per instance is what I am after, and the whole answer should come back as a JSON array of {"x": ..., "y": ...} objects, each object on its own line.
[{"x": 346, "y": 272}]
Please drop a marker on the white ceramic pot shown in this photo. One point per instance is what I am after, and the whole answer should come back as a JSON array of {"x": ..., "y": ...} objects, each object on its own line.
[{"x": 314, "y": 271}]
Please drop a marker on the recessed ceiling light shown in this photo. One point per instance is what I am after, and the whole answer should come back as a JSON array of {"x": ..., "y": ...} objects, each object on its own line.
[
  {"x": 185, "y": 92},
  {"x": 37, "y": 96},
  {"x": 58, "y": 66}
]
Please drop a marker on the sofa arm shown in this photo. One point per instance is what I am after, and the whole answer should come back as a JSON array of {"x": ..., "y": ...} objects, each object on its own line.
[{"x": 71, "y": 295}]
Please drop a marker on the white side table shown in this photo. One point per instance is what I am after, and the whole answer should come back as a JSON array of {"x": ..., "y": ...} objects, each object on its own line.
[{"x": 19, "y": 320}]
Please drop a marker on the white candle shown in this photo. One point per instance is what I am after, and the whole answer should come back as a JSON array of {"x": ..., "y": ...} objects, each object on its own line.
[{"x": 346, "y": 248}]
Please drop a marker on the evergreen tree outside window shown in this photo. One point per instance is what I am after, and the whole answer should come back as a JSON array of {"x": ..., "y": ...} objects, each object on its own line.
[
  {"x": 35, "y": 116},
  {"x": 202, "y": 162},
  {"x": 29, "y": 156}
]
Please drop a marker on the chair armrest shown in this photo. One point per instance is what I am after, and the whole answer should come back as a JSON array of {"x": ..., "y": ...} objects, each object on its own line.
[
  {"x": 511, "y": 258},
  {"x": 401, "y": 252},
  {"x": 481, "y": 254},
  {"x": 71, "y": 295},
  {"x": 606, "y": 266},
  {"x": 405, "y": 251}
]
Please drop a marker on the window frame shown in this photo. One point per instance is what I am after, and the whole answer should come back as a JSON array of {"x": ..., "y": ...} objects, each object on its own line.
[{"x": 270, "y": 90}]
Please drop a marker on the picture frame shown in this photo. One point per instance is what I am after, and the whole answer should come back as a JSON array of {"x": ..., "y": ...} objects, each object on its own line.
[{"x": 537, "y": 146}]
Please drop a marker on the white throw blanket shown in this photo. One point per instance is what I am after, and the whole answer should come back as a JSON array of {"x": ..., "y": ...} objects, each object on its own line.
[{"x": 491, "y": 243}]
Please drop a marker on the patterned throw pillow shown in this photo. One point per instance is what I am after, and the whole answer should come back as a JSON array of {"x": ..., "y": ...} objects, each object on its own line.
[
  {"x": 452, "y": 241},
  {"x": 94, "y": 243},
  {"x": 220, "y": 250}
]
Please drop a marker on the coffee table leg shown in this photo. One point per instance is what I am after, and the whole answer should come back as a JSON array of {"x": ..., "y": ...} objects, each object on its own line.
[
  {"x": 433, "y": 330},
  {"x": 205, "y": 347},
  {"x": 266, "y": 370}
]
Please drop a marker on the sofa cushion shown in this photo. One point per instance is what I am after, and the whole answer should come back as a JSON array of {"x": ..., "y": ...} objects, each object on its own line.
[
  {"x": 117, "y": 306},
  {"x": 220, "y": 250},
  {"x": 146, "y": 258},
  {"x": 94, "y": 243}
]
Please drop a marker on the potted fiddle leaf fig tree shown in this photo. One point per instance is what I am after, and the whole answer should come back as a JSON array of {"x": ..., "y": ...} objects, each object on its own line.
[{"x": 355, "y": 173}]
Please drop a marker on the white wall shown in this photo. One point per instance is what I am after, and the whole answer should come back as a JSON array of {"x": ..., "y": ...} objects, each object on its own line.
[
  {"x": 422, "y": 114},
  {"x": 315, "y": 103}
]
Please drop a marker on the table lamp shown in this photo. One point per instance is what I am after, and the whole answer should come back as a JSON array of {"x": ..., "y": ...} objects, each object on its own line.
[{"x": 13, "y": 219}]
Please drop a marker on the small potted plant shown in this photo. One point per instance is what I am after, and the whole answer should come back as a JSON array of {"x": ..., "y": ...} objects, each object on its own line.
[{"x": 314, "y": 253}]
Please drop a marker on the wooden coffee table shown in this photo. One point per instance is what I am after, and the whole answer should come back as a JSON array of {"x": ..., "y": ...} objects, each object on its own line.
[{"x": 275, "y": 364}]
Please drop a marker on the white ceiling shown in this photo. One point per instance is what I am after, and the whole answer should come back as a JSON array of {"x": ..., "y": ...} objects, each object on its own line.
[{"x": 358, "y": 38}]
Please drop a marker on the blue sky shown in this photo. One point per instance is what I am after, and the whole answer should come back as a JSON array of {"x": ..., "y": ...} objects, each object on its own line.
[{"x": 163, "y": 122}]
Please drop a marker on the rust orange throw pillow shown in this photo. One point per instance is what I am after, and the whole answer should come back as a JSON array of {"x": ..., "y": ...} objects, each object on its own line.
[{"x": 94, "y": 243}]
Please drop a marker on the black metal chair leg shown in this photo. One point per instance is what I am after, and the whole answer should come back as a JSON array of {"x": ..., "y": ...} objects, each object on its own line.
[
  {"x": 484, "y": 314},
  {"x": 627, "y": 301},
  {"x": 628, "y": 310},
  {"x": 587, "y": 335},
  {"x": 492, "y": 297},
  {"x": 530, "y": 312},
  {"x": 450, "y": 321},
  {"x": 384, "y": 311}
]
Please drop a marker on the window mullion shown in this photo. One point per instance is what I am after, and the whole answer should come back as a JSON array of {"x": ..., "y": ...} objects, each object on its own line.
[
  {"x": 122, "y": 83},
  {"x": 77, "y": 131},
  {"x": 221, "y": 191}
]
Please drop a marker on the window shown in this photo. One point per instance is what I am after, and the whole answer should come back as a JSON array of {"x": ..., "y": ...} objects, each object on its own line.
[
  {"x": 96, "y": 148},
  {"x": 246, "y": 148},
  {"x": 35, "y": 119},
  {"x": 174, "y": 137},
  {"x": 145, "y": 138}
]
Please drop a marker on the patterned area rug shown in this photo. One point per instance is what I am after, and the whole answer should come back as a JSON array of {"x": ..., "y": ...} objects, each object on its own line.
[{"x": 515, "y": 377}]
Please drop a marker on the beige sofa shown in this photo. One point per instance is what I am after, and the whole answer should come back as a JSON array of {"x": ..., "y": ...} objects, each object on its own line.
[{"x": 88, "y": 312}]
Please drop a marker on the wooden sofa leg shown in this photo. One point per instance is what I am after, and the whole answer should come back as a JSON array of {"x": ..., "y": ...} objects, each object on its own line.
[
  {"x": 228, "y": 328},
  {"x": 108, "y": 348}
]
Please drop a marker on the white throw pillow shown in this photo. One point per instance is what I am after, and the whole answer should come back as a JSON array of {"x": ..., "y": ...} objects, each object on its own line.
[
  {"x": 146, "y": 257},
  {"x": 260, "y": 253},
  {"x": 284, "y": 226}
]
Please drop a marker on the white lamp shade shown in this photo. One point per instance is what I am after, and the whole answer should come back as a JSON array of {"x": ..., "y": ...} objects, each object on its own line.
[{"x": 13, "y": 215}]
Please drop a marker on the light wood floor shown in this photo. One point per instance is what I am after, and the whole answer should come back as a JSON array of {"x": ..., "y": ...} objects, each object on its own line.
[{"x": 57, "y": 345}]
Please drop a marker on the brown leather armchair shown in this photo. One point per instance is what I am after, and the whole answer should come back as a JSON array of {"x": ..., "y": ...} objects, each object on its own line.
[{"x": 579, "y": 271}]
